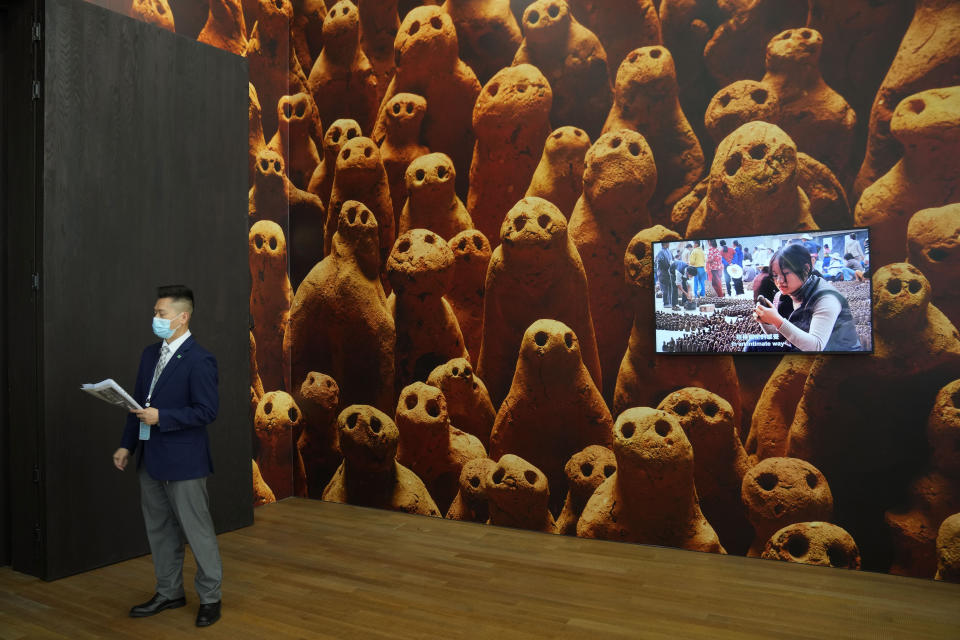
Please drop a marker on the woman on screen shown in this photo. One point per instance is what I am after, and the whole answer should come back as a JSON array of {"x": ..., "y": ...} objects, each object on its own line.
[{"x": 808, "y": 312}]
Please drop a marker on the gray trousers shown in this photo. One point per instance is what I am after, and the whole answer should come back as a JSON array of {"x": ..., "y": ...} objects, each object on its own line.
[{"x": 173, "y": 511}]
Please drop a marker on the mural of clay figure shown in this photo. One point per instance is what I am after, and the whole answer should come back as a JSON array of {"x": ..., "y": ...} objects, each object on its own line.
[
  {"x": 471, "y": 258},
  {"x": 948, "y": 550},
  {"x": 430, "y": 446},
  {"x": 519, "y": 495},
  {"x": 817, "y": 543},
  {"x": 933, "y": 496},
  {"x": 420, "y": 268},
  {"x": 155, "y": 12},
  {"x": 651, "y": 498},
  {"x": 471, "y": 501},
  {"x": 720, "y": 462},
  {"x": 933, "y": 246},
  {"x": 337, "y": 135},
  {"x": 401, "y": 144},
  {"x": 428, "y": 65},
  {"x": 553, "y": 409},
  {"x": 468, "y": 402},
  {"x": 270, "y": 299},
  {"x": 225, "y": 27},
  {"x": 342, "y": 80},
  {"x": 256, "y": 385},
  {"x": 296, "y": 115},
  {"x": 255, "y": 139},
  {"x": 927, "y": 125},
  {"x": 487, "y": 34},
  {"x": 586, "y": 470},
  {"x": 262, "y": 494},
  {"x": 572, "y": 59},
  {"x": 621, "y": 25},
  {"x": 773, "y": 414},
  {"x": 535, "y": 273},
  {"x": 511, "y": 121},
  {"x": 646, "y": 100},
  {"x": 319, "y": 399},
  {"x": 619, "y": 178},
  {"x": 379, "y": 22},
  {"x": 644, "y": 379},
  {"x": 559, "y": 176},
  {"x": 370, "y": 476},
  {"x": 430, "y": 180},
  {"x": 782, "y": 491},
  {"x": 306, "y": 30},
  {"x": 343, "y": 294},
  {"x": 278, "y": 424}
]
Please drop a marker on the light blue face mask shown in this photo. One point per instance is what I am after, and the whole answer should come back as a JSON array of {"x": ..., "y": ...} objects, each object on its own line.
[{"x": 161, "y": 328}]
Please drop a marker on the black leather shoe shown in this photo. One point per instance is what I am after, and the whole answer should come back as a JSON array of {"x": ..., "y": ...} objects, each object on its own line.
[
  {"x": 208, "y": 614},
  {"x": 155, "y": 605}
]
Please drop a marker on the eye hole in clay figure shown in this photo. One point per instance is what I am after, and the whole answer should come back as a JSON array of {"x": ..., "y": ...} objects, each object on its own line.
[
  {"x": 474, "y": 481},
  {"x": 662, "y": 427},
  {"x": 936, "y": 254},
  {"x": 375, "y": 424},
  {"x": 914, "y": 286},
  {"x": 396, "y": 107},
  {"x": 268, "y": 408},
  {"x": 531, "y": 476},
  {"x": 436, "y": 23},
  {"x": 634, "y": 149},
  {"x": 413, "y": 28},
  {"x": 553, "y": 11},
  {"x": 411, "y": 401},
  {"x": 798, "y": 546},
  {"x": 477, "y": 242},
  {"x": 639, "y": 250},
  {"x": 568, "y": 340},
  {"x": 352, "y": 215},
  {"x": 345, "y": 11},
  {"x": 345, "y": 154},
  {"x": 293, "y": 414},
  {"x": 160, "y": 8},
  {"x": 519, "y": 223},
  {"x": 258, "y": 241},
  {"x": 894, "y": 285},
  {"x": 837, "y": 555},
  {"x": 710, "y": 409},
  {"x": 462, "y": 245},
  {"x": 786, "y": 35},
  {"x": 441, "y": 172},
  {"x": 335, "y": 135},
  {"x": 493, "y": 89},
  {"x": 467, "y": 371},
  {"x": 725, "y": 100},
  {"x": 543, "y": 220},
  {"x": 615, "y": 143},
  {"x": 364, "y": 216},
  {"x": 287, "y": 109},
  {"x": 806, "y": 34},
  {"x": 757, "y": 151},
  {"x": 264, "y": 164},
  {"x": 409, "y": 107},
  {"x": 732, "y": 164},
  {"x": 456, "y": 371},
  {"x": 430, "y": 239},
  {"x": 352, "y": 133},
  {"x": 767, "y": 481},
  {"x": 421, "y": 174},
  {"x": 367, "y": 152},
  {"x": 273, "y": 244},
  {"x": 301, "y": 109},
  {"x": 608, "y": 470},
  {"x": 916, "y": 105},
  {"x": 682, "y": 408},
  {"x": 277, "y": 165},
  {"x": 812, "y": 480},
  {"x": 498, "y": 475},
  {"x": 759, "y": 95},
  {"x": 557, "y": 135},
  {"x": 310, "y": 379},
  {"x": 533, "y": 18},
  {"x": 404, "y": 246},
  {"x": 627, "y": 430},
  {"x": 352, "y": 420},
  {"x": 633, "y": 56},
  {"x": 521, "y": 88},
  {"x": 433, "y": 408},
  {"x": 655, "y": 53},
  {"x": 329, "y": 383},
  {"x": 540, "y": 338}
]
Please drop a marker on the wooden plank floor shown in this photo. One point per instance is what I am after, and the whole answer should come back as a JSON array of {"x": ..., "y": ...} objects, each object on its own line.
[{"x": 309, "y": 569}]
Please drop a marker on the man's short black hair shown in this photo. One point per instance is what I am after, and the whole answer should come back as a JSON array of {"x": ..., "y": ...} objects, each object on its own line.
[
  {"x": 178, "y": 292},
  {"x": 853, "y": 235}
]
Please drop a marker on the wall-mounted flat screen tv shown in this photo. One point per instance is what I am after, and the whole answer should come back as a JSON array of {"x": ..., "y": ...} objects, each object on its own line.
[{"x": 798, "y": 292}]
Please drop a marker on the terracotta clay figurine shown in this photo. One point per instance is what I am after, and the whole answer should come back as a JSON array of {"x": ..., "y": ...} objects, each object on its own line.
[
  {"x": 753, "y": 186},
  {"x": 255, "y": 139},
  {"x": 342, "y": 80},
  {"x": 776, "y": 407},
  {"x": 256, "y": 384},
  {"x": 644, "y": 378},
  {"x": 933, "y": 246},
  {"x": 487, "y": 33},
  {"x": 621, "y": 25},
  {"x": 262, "y": 494},
  {"x": 651, "y": 498},
  {"x": 646, "y": 100},
  {"x": 343, "y": 294},
  {"x": 430, "y": 446},
  {"x": 296, "y": 114},
  {"x": 553, "y": 409},
  {"x": 511, "y": 121},
  {"x": 278, "y": 424},
  {"x": 818, "y": 543},
  {"x": 928, "y": 57},
  {"x": 306, "y": 30},
  {"x": 619, "y": 178},
  {"x": 155, "y": 12},
  {"x": 535, "y": 273},
  {"x": 737, "y": 104},
  {"x": 270, "y": 299},
  {"x": 428, "y": 65},
  {"x": 927, "y": 124},
  {"x": 225, "y": 28},
  {"x": 933, "y": 496},
  {"x": 519, "y": 495},
  {"x": 948, "y": 550},
  {"x": 468, "y": 402},
  {"x": 720, "y": 462},
  {"x": 471, "y": 501},
  {"x": 559, "y": 176},
  {"x": 586, "y": 470},
  {"x": 572, "y": 59},
  {"x": 370, "y": 476},
  {"x": 337, "y": 135},
  {"x": 379, "y": 23},
  {"x": 319, "y": 446},
  {"x": 401, "y": 145},
  {"x": 420, "y": 269},
  {"x": 781, "y": 491},
  {"x": 433, "y": 203},
  {"x": 471, "y": 257},
  {"x": 360, "y": 176}
]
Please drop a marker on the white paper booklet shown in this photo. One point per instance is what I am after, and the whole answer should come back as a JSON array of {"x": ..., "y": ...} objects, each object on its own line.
[{"x": 109, "y": 391}]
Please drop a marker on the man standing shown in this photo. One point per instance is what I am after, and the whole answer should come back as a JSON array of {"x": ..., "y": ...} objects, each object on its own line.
[
  {"x": 852, "y": 246},
  {"x": 668, "y": 285},
  {"x": 177, "y": 386}
]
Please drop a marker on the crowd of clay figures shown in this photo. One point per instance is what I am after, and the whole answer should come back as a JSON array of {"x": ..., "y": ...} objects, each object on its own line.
[{"x": 451, "y": 214}]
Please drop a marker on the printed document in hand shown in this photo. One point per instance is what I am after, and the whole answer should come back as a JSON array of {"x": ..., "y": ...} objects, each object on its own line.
[{"x": 109, "y": 391}]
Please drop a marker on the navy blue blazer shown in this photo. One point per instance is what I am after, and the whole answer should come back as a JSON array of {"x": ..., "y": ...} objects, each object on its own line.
[{"x": 187, "y": 400}]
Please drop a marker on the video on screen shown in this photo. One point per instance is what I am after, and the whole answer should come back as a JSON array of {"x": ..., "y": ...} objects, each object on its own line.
[{"x": 799, "y": 292}]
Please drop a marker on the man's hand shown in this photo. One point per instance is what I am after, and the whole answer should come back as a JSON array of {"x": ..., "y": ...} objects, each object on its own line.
[
  {"x": 120, "y": 458},
  {"x": 147, "y": 416}
]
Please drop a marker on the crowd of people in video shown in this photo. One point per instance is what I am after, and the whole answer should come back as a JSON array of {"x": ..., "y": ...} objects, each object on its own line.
[{"x": 777, "y": 293}]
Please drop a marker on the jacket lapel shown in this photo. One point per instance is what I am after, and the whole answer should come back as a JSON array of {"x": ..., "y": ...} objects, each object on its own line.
[{"x": 173, "y": 363}]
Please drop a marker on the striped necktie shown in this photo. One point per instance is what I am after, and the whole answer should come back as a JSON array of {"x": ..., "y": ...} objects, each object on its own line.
[{"x": 164, "y": 354}]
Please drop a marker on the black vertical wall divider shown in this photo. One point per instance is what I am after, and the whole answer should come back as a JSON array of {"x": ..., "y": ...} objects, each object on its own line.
[{"x": 144, "y": 182}]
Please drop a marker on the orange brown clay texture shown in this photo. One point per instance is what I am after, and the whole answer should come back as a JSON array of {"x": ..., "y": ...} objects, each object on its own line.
[{"x": 491, "y": 127}]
